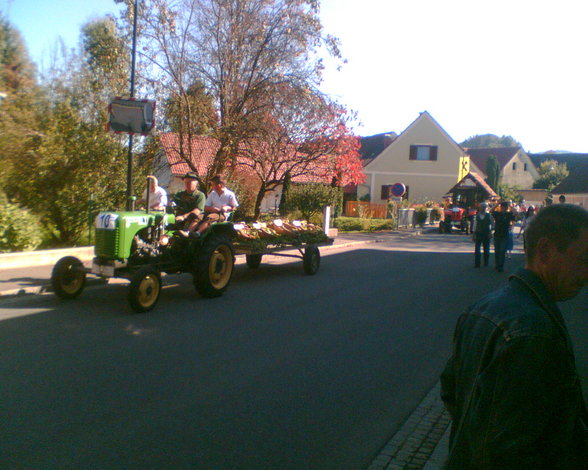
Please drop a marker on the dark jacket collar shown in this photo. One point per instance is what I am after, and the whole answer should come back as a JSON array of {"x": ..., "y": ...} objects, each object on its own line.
[{"x": 532, "y": 282}]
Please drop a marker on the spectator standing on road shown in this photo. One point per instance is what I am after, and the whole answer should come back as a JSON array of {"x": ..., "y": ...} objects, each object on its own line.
[
  {"x": 526, "y": 219},
  {"x": 157, "y": 195},
  {"x": 189, "y": 203},
  {"x": 482, "y": 233},
  {"x": 503, "y": 220},
  {"x": 511, "y": 385}
]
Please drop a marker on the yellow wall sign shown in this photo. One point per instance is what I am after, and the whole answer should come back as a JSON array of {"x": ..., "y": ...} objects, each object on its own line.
[{"x": 464, "y": 167}]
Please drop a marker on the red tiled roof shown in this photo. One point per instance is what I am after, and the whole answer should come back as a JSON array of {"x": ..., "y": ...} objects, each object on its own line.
[
  {"x": 203, "y": 150},
  {"x": 201, "y": 153}
]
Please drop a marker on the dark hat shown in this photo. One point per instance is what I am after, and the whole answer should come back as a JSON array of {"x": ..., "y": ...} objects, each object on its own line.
[{"x": 190, "y": 175}]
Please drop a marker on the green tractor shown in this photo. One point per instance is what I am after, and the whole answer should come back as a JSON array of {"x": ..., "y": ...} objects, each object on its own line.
[{"x": 140, "y": 246}]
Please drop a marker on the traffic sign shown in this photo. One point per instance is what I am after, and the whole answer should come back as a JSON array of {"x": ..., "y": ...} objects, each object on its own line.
[{"x": 398, "y": 189}]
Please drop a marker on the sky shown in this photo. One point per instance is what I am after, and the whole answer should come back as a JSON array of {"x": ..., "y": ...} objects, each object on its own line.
[{"x": 503, "y": 67}]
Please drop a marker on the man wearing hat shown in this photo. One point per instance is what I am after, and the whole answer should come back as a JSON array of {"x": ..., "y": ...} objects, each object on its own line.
[{"x": 189, "y": 202}]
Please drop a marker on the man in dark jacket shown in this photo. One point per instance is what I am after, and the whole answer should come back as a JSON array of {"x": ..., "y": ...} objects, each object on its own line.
[
  {"x": 503, "y": 221},
  {"x": 511, "y": 385},
  {"x": 482, "y": 230}
]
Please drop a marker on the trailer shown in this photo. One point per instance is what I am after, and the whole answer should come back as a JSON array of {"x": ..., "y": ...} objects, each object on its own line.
[{"x": 309, "y": 253}]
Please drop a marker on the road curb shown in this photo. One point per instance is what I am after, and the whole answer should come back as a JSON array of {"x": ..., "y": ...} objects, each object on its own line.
[
  {"x": 28, "y": 259},
  {"x": 413, "y": 445}
]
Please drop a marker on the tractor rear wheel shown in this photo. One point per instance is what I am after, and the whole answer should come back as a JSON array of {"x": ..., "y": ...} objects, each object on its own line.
[
  {"x": 144, "y": 289},
  {"x": 68, "y": 277},
  {"x": 213, "y": 266}
]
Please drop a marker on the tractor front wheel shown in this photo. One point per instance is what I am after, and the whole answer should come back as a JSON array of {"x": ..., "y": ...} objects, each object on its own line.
[
  {"x": 213, "y": 266},
  {"x": 144, "y": 289},
  {"x": 68, "y": 277}
]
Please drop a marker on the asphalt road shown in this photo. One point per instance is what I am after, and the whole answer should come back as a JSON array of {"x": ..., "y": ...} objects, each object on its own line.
[{"x": 285, "y": 371}]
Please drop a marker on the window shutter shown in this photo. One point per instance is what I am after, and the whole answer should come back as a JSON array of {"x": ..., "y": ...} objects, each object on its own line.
[
  {"x": 386, "y": 191},
  {"x": 433, "y": 153},
  {"x": 413, "y": 152}
]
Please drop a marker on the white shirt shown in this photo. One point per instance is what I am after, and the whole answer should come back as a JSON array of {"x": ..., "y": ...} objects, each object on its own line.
[
  {"x": 157, "y": 197},
  {"x": 227, "y": 198}
]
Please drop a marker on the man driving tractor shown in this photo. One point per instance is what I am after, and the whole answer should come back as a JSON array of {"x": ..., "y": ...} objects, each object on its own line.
[{"x": 189, "y": 203}]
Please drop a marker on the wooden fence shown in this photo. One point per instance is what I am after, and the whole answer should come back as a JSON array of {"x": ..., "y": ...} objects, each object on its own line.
[{"x": 370, "y": 210}]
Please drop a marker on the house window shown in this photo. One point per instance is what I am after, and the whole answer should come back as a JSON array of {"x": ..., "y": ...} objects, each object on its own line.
[
  {"x": 525, "y": 167},
  {"x": 423, "y": 152},
  {"x": 514, "y": 166},
  {"x": 386, "y": 191}
]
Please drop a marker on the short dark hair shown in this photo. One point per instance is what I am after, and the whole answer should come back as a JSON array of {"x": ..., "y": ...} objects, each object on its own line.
[
  {"x": 561, "y": 223},
  {"x": 218, "y": 179}
]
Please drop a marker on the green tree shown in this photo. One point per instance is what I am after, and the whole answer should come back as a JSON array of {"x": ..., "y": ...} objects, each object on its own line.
[
  {"x": 69, "y": 159},
  {"x": 310, "y": 199},
  {"x": 510, "y": 193},
  {"x": 490, "y": 141},
  {"x": 551, "y": 173},
  {"x": 19, "y": 229},
  {"x": 492, "y": 172},
  {"x": 192, "y": 112},
  {"x": 16, "y": 69}
]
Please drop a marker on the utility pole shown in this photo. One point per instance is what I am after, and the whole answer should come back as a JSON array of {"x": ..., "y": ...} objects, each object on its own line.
[{"x": 130, "y": 153}]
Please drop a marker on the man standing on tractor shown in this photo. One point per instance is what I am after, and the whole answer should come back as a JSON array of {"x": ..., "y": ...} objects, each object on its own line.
[{"x": 189, "y": 203}]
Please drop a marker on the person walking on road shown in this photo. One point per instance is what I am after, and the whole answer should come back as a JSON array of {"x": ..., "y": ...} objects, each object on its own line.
[
  {"x": 503, "y": 220},
  {"x": 482, "y": 233},
  {"x": 511, "y": 385}
]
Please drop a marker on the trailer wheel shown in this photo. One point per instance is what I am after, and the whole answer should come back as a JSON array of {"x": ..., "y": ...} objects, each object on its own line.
[
  {"x": 311, "y": 259},
  {"x": 68, "y": 277},
  {"x": 144, "y": 289},
  {"x": 213, "y": 266},
  {"x": 253, "y": 261}
]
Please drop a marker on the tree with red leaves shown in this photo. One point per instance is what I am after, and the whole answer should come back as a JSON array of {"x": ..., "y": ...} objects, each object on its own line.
[{"x": 305, "y": 136}]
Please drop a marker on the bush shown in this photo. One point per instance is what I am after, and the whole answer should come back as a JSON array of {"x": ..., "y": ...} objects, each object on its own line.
[
  {"x": 436, "y": 214},
  {"x": 19, "y": 229},
  {"x": 356, "y": 224},
  {"x": 310, "y": 199},
  {"x": 420, "y": 216}
]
